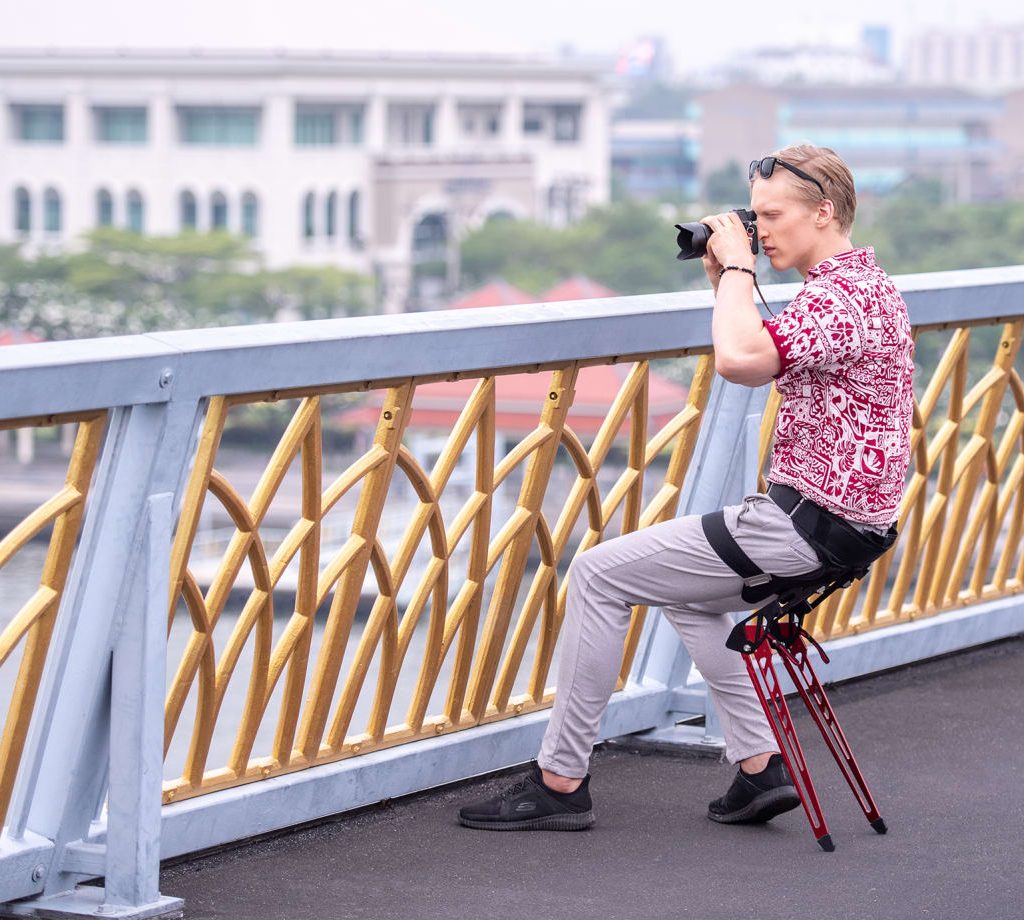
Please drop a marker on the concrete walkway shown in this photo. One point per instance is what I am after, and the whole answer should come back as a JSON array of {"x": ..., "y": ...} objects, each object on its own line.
[{"x": 941, "y": 744}]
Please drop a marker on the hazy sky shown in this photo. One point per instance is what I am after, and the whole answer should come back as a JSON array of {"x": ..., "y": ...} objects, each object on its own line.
[{"x": 698, "y": 33}]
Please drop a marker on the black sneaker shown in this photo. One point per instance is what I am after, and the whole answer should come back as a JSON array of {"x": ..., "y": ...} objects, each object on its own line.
[
  {"x": 529, "y": 805},
  {"x": 758, "y": 797}
]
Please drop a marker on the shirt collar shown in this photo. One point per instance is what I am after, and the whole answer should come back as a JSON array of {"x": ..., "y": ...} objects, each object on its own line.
[{"x": 864, "y": 257}]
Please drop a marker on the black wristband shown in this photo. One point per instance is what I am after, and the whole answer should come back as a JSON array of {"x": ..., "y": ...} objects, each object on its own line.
[{"x": 737, "y": 268}]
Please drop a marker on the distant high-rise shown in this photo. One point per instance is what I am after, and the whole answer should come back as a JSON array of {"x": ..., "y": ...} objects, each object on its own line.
[
  {"x": 989, "y": 59},
  {"x": 877, "y": 41}
]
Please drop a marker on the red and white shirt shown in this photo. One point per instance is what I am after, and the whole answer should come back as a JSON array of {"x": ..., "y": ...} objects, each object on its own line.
[{"x": 842, "y": 437}]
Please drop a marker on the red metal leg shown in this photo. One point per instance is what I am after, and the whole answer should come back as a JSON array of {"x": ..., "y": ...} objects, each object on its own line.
[
  {"x": 766, "y": 686},
  {"x": 798, "y": 664}
]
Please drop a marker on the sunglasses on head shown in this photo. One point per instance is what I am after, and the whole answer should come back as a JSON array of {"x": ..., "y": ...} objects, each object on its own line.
[{"x": 766, "y": 166}]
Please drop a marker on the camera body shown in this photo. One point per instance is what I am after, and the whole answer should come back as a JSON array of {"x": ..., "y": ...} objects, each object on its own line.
[{"x": 693, "y": 238}]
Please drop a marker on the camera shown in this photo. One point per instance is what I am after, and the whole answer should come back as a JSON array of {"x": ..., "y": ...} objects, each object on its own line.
[{"x": 693, "y": 238}]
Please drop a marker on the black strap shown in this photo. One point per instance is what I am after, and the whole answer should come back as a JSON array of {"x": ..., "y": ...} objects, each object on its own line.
[
  {"x": 730, "y": 552},
  {"x": 836, "y": 541}
]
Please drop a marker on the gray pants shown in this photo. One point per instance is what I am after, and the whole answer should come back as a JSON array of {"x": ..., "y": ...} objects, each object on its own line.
[{"x": 671, "y": 566}]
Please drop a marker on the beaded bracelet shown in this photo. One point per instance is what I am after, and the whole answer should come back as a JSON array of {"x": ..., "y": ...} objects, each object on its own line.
[
  {"x": 753, "y": 274},
  {"x": 738, "y": 268}
]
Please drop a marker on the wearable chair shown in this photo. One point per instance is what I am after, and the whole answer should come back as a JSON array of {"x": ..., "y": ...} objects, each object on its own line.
[{"x": 777, "y": 627}]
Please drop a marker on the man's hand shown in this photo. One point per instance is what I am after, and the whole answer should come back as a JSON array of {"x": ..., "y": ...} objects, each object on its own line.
[
  {"x": 744, "y": 351},
  {"x": 728, "y": 244}
]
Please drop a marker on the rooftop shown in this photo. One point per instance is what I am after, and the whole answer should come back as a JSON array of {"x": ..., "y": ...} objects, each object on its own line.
[{"x": 938, "y": 742}]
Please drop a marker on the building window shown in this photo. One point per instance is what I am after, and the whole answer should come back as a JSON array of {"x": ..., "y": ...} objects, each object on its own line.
[
  {"x": 22, "y": 212},
  {"x": 218, "y": 212},
  {"x": 136, "y": 212},
  {"x": 51, "y": 211},
  {"x": 221, "y": 127},
  {"x": 187, "y": 211},
  {"x": 352, "y": 126},
  {"x": 250, "y": 215},
  {"x": 104, "y": 208},
  {"x": 534, "y": 120},
  {"x": 411, "y": 124},
  {"x": 331, "y": 216},
  {"x": 316, "y": 126},
  {"x": 567, "y": 123},
  {"x": 121, "y": 125},
  {"x": 560, "y": 123},
  {"x": 481, "y": 121},
  {"x": 355, "y": 236},
  {"x": 430, "y": 237},
  {"x": 308, "y": 222},
  {"x": 39, "y": 123}
]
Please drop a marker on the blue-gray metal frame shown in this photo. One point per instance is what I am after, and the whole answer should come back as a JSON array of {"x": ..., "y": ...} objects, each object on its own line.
[{"x": 92, "y": 733}]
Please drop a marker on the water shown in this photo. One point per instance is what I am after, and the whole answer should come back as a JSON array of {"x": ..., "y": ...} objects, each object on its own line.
[{"x": 21, "y": 577}]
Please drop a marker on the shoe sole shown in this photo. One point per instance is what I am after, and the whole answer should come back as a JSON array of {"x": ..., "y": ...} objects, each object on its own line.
[
  {"x": 564, "y": 822},
  {"x": 762, "y": 808}
]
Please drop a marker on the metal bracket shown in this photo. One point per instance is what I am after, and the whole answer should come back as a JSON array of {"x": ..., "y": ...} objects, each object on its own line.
[
  {"x": 89, "y": 901},
  {"x": 85, "y": 859}
]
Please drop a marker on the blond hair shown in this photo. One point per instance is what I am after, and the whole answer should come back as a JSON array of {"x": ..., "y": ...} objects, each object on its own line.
[{"x": 829, "y": 169}]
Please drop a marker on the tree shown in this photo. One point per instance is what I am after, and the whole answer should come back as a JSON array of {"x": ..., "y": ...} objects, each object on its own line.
[
  {"x": 628, "y": 246},
  {"x": 728, "y": 187},
  {"x": 124, "y": 283}
]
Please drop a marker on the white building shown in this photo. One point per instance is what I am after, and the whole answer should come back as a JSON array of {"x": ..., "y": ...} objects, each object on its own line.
[
  {"x": 989, "y": 59},
  {"x": 370, "y": 162}
]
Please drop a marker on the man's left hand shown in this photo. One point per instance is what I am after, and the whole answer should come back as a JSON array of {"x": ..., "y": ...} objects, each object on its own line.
[{"x": 729, "y": 241}]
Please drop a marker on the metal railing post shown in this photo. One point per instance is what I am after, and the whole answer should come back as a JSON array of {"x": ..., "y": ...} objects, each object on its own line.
[
  {"x": 136, "y": 730},
  {"x": 115, "y": 579},
  {"x": 724, "y": 468}
]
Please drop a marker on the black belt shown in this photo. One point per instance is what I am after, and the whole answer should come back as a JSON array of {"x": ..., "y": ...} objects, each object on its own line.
[
  {"x": 836, "y": 540},
  {"x": 787, "y": 498}
]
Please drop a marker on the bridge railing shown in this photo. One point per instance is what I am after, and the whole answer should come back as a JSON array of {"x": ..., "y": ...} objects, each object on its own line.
[{"x": 306, "y": 682}]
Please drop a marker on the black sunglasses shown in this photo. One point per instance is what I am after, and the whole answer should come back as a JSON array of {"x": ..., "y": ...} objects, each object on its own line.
[{"x": 766, "y": 166}]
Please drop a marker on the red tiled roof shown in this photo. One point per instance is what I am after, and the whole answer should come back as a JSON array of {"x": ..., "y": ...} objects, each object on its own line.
[
  {"x": 496, "y": 294},
  {"x": 520, "y": 397},
  {"x": 578, "y": 288},
  {"x": 18, "y": 337}
]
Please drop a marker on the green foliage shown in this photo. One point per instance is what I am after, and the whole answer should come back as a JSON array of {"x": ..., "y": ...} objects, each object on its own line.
[
  {"x": 728, "y": 187},
  {"x": 628, "y": 246},
  {"x": 123, "y": 283},
  {"x": 631, "y": 246},
  {"x": 914, "y": 232}
]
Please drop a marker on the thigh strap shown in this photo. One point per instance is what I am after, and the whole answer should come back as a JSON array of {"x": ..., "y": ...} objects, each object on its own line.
[{"x": 730, "y": 552}]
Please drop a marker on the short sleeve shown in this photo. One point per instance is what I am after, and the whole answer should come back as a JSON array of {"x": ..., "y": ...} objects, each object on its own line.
[{"x": 816, "y": 330}]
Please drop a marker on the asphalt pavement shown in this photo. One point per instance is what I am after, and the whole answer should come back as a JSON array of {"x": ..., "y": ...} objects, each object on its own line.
[{"x": 940, "y": 743}]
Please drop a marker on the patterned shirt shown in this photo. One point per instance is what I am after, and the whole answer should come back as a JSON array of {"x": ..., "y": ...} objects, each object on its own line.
[{"x": 842, "y": 437}]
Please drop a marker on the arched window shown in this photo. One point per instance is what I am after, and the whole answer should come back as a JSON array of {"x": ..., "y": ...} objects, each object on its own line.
[
  {"x": 187, "y": 210},
  {"x": 51, "y": 211},
  {"x": 430, "y": 236},
  {"x": 218, "y": 212},
  {"x": 250, "y": 215},
  {"x": 331, "y": 216},
  {"x": 355, "y": 234},
  {"x": 104, "y": 208},
  {"x": 136, "y": 212},
  {"x": 308, "y": 222},
  {"x": 22, "y": 211}
]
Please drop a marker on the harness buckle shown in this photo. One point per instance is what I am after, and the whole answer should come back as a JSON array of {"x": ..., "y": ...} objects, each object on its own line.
[{"x": 756, "y": 580}]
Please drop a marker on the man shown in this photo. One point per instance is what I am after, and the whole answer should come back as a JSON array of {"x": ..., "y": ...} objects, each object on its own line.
[{"x": 841, "y": 356}]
